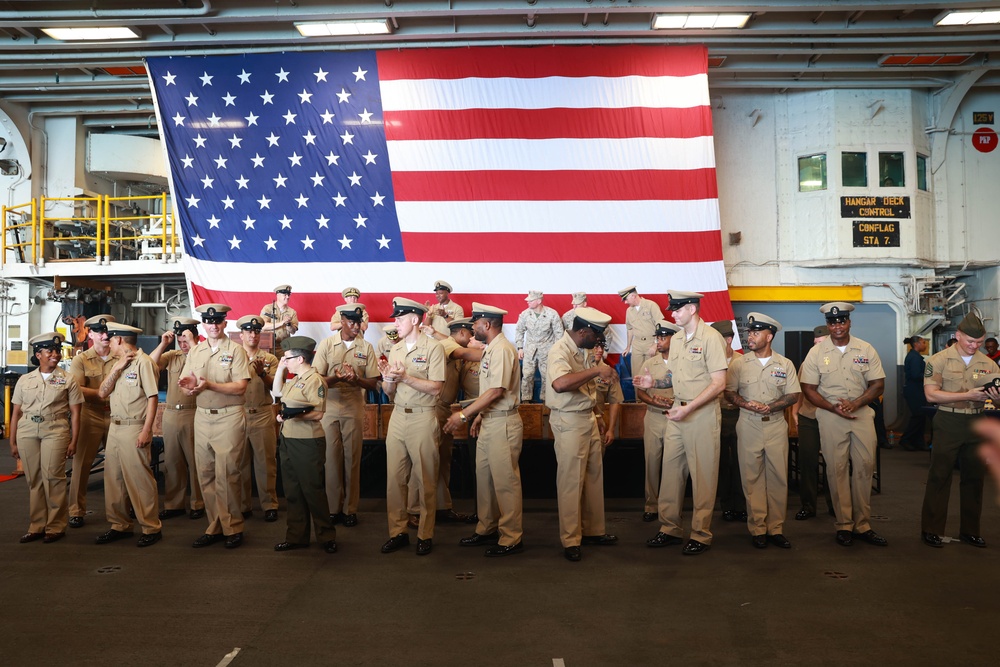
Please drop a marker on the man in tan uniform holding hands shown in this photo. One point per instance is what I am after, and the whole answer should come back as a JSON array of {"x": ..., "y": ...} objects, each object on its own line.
[
  {"x": 216, "y": 374},
  {"x": 698, "y": 366},
  {"x": 571, "y": 395},
  {"x": 654, "y": 425},
  {"x": 640, "y": 321},
  {"x": 261, "y": 442},
  {"x": 497, "y": 423},
  {"x": 841, "y": 376},
  {"x": 762, "y": 385},
  {"x": 132, "y": 387}
]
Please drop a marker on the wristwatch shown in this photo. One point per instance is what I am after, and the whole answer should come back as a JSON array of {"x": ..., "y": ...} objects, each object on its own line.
[{"x": 461, "y": 415}]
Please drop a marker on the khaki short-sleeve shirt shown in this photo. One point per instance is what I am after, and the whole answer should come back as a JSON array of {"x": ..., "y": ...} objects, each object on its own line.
[
  {"x": 658, "y": 369},
  {"x": 135, "y": 385},
  {"x": 305, "y": 389},
  {"x": 279, "y": 314},
  {"x": 469, "y": 378},
  {"x": 228, "y": 363},
  {"x": 426, "y": 361},
  {"x": 947, "y": 370},
  {"x": 764, "y": 383},
  {"x": 841, "y": 375},
  {"x": 90, "y": 371},
  {"x": 47, "y": 397},
  {"x": 641, "y": 321},
  {"x": 333, "y": 353},
  {"x": 499, "y": 369},
  {"x": 608, "y": 393},
  {"x": 258, "y": 391},
  {"x": 453, "y": 371},
  {"x": 693, "y": 361},
  {"x": 173, "y": 362},
  {"x": 565, "y": 358}
]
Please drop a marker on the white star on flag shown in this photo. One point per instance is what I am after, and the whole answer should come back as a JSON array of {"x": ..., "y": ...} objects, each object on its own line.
[
  {"x": 213, "y": 222},
  {"x": 286, "y": 222},
  {"x": 191, "y": 100},
  {"x": 192, "y": 201},
  {"x": 366, "y": 116},
  {"x": 206, "y": 79},
  {"x": 169, "y": 78},
  {"x": 267, "y": 97},
  {"x": 320, "y": 75},
  {"x": 272, "y": 139},
  {"x": 369, "y": 157},
  {"x": 309, "y": 138},
  {"x": 213, "y": 120},
  {"x": 257, "y": 160},
  {"x": 323, "y": 220},
  {"x": 188, "y": 162},
  {"x": 360, "y": 220},
  {"x": 289, "y": 118},
  {"x": 248, "y": 222},
  {"x": 359, "y": 75},
  {"x": 279, "y": 182},
  {"x": 317, "y": 179},
  {"x": 383, "y": 242},
  {"x": 264, "y": 202},
  {"x": 251, "y": 119},
  {"x": 179, "y": 119},
  {"x": 343, "y": 95},
  {"x": 344, "y": 242},
  {"x": 377, "y": 199},
  {"x": 354, "y": 178},
  {"x": 327, "y": 117},
  {"x": 295, "y": 159},
  {"x": 271, "y": 243},
  {"x": 234, "y": 142},
  {"x": 243, "y": 182},
  {"x": 207, "y": 182},
  {"x": 199, "y": 141},
  {"x": 220, "y": 162},
  {"x": 282, "y": 75},
  {"x": 331, "y": 159},
  {"x": 340, "y": 199},
  {"x": 347, "y": 137},
  {"x": 302, "y": 200},
  {"x": 307, "y": 243},
  {"x": 244, "y": 77},
  {"x": 228, "y": 202},
  {"x": 197, "y": 240},
  {"x": 229, "y": 99},
  {"x": 234, "y": 243},
  {"x": 305, "y": 97}
]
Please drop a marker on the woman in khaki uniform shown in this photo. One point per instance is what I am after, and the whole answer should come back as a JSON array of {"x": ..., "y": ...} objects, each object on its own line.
[{"x": 44, "y": 425}]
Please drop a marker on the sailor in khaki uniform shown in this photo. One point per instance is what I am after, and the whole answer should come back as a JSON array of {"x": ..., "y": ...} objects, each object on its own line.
[
  {"x": 279, "y": 317},
  {"x": 698, "y": 366},
  {"x": 348, "y": 365},
  {"x": 841, "y": 376},
  {"x": 261, "y": 444},
  {"x": 658, "y": 402},
  {"x": 179, "y": 468},
  {"x": 216, "y": 374},
  {"x": 609, "y": 395},
  {"x": 441, "y": 314},
  {"x": 954, "y": 379},
  {"x": 302, "y": 446},
  {"x": 131, "y": 386},
  {"x": 413, "y": 376},
  {"x": 730, "y": 491},
  {"x": 44, "y": 426},
  {"x": 351, "y": 296},
  {"x": 640, "y": 321},
  {"x": 762, "y": 385},
  {"x": 497, "y": 424},
  {"x": 89, "y": 368},
  {"x": 571, "y": 395}
]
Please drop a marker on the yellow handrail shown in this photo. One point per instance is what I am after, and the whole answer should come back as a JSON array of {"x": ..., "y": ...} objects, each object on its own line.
[{"x": 30, "y": 216}]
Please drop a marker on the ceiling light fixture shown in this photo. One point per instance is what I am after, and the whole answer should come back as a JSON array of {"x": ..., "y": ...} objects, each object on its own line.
[
  {"x": 344, "y": 28},
  {"x": 96, "y": 33},
  {"x": 934, "y": 60},
  {"x": 699, "y": 21},
  {"x": 968, "y": 17}
]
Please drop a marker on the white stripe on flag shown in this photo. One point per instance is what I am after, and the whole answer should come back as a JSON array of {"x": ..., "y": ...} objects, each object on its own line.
[{"x": 668, "y": 92}]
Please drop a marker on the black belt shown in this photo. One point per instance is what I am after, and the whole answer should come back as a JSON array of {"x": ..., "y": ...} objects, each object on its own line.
[
  {"x": 127, "y": 422},
  {"x": 413, "y": 410}
]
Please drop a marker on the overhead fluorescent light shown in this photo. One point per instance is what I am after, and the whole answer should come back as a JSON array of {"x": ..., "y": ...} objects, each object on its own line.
[
  {"x": 96, "y": 33},
  {"x": 344, "y": 28},
  {"x": 968, "y": 17},
  {"x": 932, "y": 60},
  {"x": 699, "y": 21}
]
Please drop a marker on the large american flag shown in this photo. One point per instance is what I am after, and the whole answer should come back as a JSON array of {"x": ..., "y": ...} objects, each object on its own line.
[{"x": 500, "y": 170}]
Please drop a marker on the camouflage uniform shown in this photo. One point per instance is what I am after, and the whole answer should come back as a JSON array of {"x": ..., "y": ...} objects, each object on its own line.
[{"x": 536, "y": 332}]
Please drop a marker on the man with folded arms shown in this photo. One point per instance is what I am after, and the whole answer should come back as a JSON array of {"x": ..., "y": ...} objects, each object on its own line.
[
  {"x": 131, "y": 386},
  {"x": 497, "y": 424},
  {"x": 641, "y": 317}
]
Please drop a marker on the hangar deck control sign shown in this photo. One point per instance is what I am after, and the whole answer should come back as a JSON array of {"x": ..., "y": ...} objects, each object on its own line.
[{"x": 883, "y": 230}]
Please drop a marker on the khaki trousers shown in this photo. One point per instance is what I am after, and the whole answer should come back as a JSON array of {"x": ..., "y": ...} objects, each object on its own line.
[
  {"x": 579, "y": 475},
  {"x": 498, "y": 478},
  {"x": 92, "y": 436},
  {"x": 411, "y": 446},
  {"x": 848, "y": 443},
  {"x": 219, "y": 441},
  {"x": 262, "y": 449},
  {"x": 179, "y": 469},
  {"x": 445, "y": 452},
  {"x": 691, "y": 445},
  {"x": 44, "y": 461},
  {"x": 763, "y": 456},
  {"x": 344, "y": 441},
  {"x": 654, "y": 431},
  {"x": 127, "y": 478},
  {"x": 303, "y": 480},
  {"x": 640, "y": 353}
]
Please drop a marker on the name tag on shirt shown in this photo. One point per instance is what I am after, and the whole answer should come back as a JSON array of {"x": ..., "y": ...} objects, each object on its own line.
[{"x": 696, "y": 350}]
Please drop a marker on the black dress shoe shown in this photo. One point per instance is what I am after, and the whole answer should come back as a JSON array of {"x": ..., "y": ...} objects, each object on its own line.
[
  {"x": 871, "y": 537},
  {"x": 396, "y": 543},
  {"x": 330, "y": 547},
  {"x": 845, "y": 538},
  {"x": 413, "y": 522},
  {"x": 600, "y": 540},
  {"x": 112, "y": 536},
  {"x": 694, "y": 547},
  {"x": 500, "y": 550},
  {"x": 337, "y": 518},
  {"x": 572, "y": 553},
  {"x": 759, "y": 541},
  {"x": 729, "y": 515},
  {"x": 351, "y": 520},
  {"x": 804, "y": 514},
  {"x": 451, "y": 516},
  {"x": 55, "y": 537},
  {"x": 974, "y": 540},
  {"x": 170, "y": 514},
  {"x": 149, "y": 539},
  {"x": 663, "y": 540},
  {"x": 270, "y": 516},
  {"x": 197, "y": 514},
  {"x": 234, "y": 540},
  {"x": 289, "y": 546},
  {"x": 424, "y": 547},
  {"x": 76, "y": 522},
  {"x": 472, "y": 518},
  {"x": 741, "y": 516},
  {"x": 248, "y": 514},
  {"x": 649, "y": 517},
  {"x": 206, "y": 540},
  {"x": 932, "y": 540},
  {"x": 779, "y": 540},
  {"x": 31, "y": 537},
  {"x": 477, "y": 540}
]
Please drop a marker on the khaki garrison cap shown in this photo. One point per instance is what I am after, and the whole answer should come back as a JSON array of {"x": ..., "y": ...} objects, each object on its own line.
[
  {"x": 250, "y": 323},
  {"x": 298, "y": 343},
  {"x": 119, "y": 329},
  {"x": 440, "y": 284},
  {"x": 99, "y": 322},
  {"x": 593, "y": 318},
  {"x": 822, "y": 330},
  {"x": 461, "y": 323},
  {"x": 579, "y": 298},
  {"x": 352, "y": 311},
  {"x": 759, "y": 321},
  {"x": 971, "y": 325},
  {"x": 52, "y": 340},
  {"x": 351, "y": 291},
  {"x": 403, "y": 306},
  {"x": 482, "y": 310},
  {"x": 283, "y": 289},
  {"x": 724, "y": 327},
  {"x": 836, "y": 309},
  {"x": 678, "y": 298},
  {"x": 213, "y": 313},
  {"x": 665, "y": 328},
  {"x": 533, "y": 295},
  {"x": 625, "y": 292}
]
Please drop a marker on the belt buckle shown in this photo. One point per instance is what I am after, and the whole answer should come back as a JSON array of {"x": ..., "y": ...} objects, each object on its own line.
[
  {"x": 408, "y": 410},
  {"x": 38, "y": 419},
  {"x": 213, "y": 411},
  {"x": 684, "y": 403},
  {"x": 765, "y": 418}
]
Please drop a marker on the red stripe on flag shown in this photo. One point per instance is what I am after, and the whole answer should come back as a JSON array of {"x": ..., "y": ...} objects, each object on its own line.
[
  {"x": 563, "y": 185},
  {"x": 542, "y": 61},
  {"x": 455, "y": 124},
  {"x": 319, "y": 307},
  {"x": 569, "y": 247}
]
